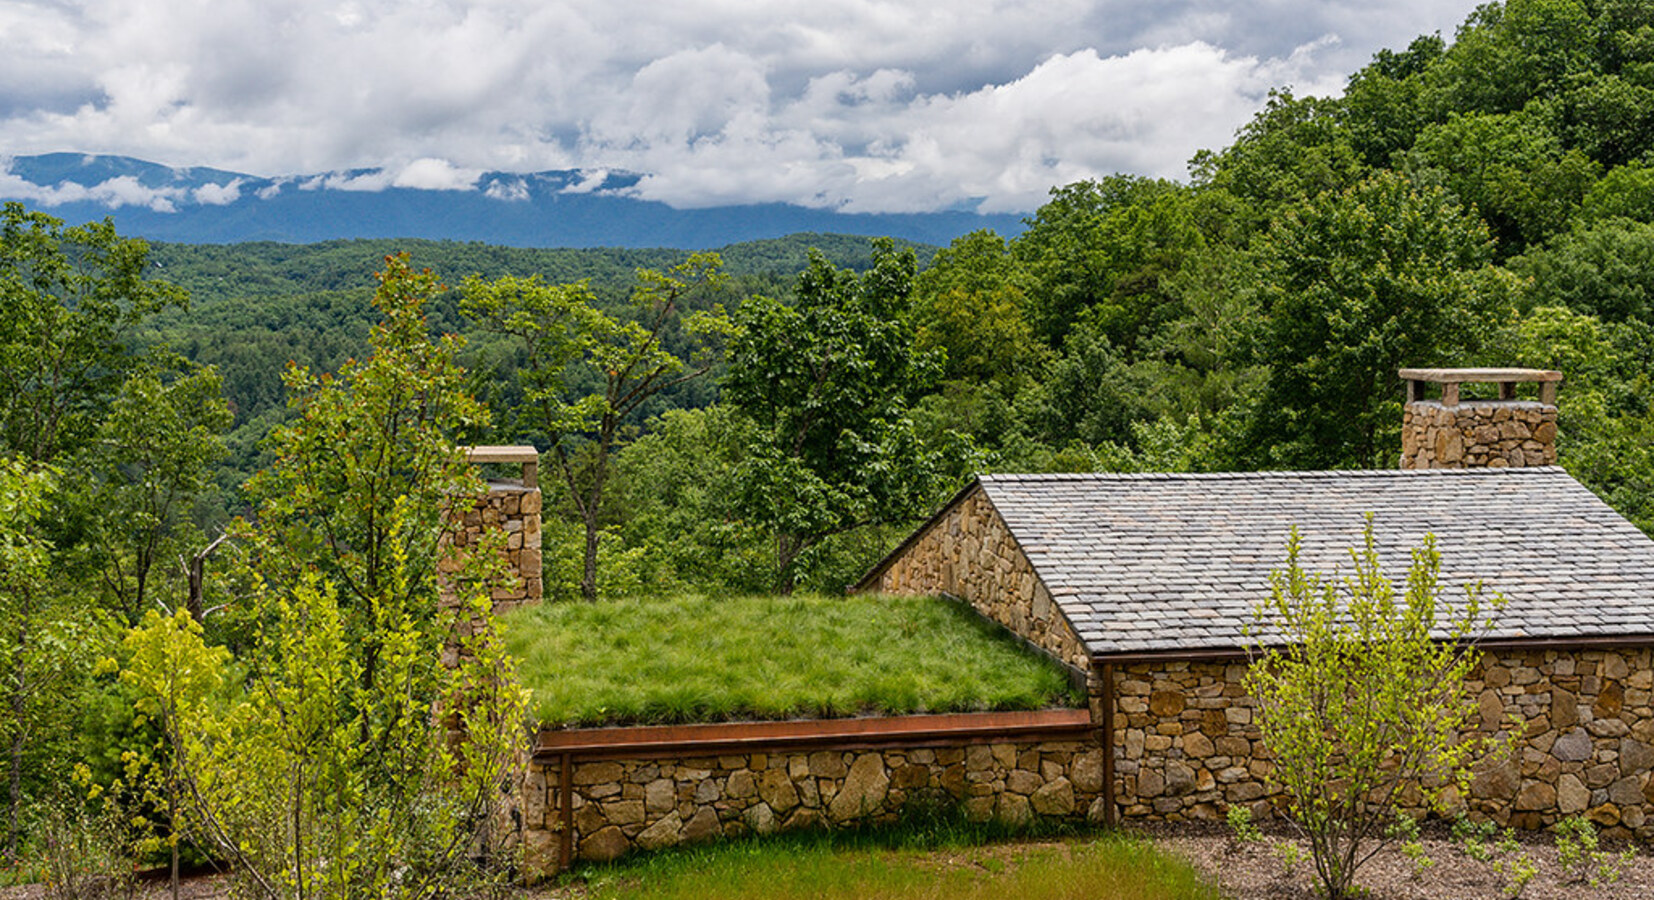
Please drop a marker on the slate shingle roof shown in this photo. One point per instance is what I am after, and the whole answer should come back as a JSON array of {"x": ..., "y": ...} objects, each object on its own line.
[{"x": 1147, "y": 563}]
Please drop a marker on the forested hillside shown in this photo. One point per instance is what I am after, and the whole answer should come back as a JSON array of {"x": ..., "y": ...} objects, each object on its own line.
[{"x": 255, "y": 307}]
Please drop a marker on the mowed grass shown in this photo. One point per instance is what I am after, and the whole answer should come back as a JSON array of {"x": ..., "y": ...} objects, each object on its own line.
[
  {"x": 702, "y": 659},
  {"x": 1114, "y": 866}
]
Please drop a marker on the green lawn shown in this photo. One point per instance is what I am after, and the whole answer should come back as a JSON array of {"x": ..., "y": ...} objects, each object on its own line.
[
  {"x": 700, "y": 659},
  {"x": 1115, "y": 867}
]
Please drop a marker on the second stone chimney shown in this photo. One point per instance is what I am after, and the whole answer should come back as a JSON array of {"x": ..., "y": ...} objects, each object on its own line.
[{"x": 1454, "y": 432}]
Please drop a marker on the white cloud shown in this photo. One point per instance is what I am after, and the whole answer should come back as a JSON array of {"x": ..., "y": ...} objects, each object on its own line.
[
  {"x": 113, "y": 193},
  {"x": 218, "y": 194},
  {"x": 374, "y": 180},
  {"x": 430, "y": 174},
  {"x": 872, "y": 104},
  {"x": 513, "y": 190},
  {"x": 589, "y": 182}
]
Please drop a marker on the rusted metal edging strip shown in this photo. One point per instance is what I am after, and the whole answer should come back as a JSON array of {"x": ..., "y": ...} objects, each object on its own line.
[
  {"x": 1237, "y": 654},
  {"x": 745, "y": 737}
]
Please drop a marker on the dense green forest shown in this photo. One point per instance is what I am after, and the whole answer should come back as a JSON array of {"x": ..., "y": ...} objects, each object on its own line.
[
  {"x": 772, "y": 417},
  {"x": 1487, "y": 200}
]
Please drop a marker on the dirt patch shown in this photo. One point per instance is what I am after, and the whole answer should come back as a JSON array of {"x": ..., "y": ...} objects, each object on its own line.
[{"x": 1260, "y": 871}]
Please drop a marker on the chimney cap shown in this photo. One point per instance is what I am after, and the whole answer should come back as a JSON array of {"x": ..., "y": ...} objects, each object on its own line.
[
  {"x": 528, "y": 456},
  {"x": 1481, "y": 376}
]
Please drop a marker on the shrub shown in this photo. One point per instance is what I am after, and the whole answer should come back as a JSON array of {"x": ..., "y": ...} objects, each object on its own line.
[{"x": 1361, "y": 699}]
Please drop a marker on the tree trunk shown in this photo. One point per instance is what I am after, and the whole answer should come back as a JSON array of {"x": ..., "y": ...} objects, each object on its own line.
[
  {"x": 588, "y": 580},
  {"x": 787, "y": 548},
  {"x": 196, "y": 571},
  {"x": 16, "y": 798},
  {"x": 593, "y": 506}
]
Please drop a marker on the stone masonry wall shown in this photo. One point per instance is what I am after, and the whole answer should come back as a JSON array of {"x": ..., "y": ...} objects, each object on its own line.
[
  {"x": 515, "y": 510},
  {"x": 621, "y": 805},
  {"x": 1478, "y": 434},
  {"x": 968, "y": 553},
  {"x": 1187, "y": 746}
]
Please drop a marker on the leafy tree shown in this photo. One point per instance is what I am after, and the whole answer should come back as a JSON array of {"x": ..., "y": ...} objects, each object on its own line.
[
  {"x": 1358, "y": 284},
  {"x": 72, "y": 298},
  {"x": 274, "y": 774},
  {"x": 155, "y": 453},
  {"x": 1507, "y": 54},
  {"x": 1294, "y": 149},
  {"x": 38, "y": 638},
  {"x": 1360, "y": 700},
  {"x": 675, "y": 490},
  {"x": 1626, "y": 192},
  {"x": 1381, "y": 106},
  {"x": 561, "y": 329},
  {"x": 1605, "y": 269},
  {"x": 350, "y": 760},
  {"x": 969, "y": 305},
  {"x": 1512, "y": 168},
  {"x": 365, "y": 470},
  {"x": 1106, "y": 249},
  {"x": 828, "y": 382}
]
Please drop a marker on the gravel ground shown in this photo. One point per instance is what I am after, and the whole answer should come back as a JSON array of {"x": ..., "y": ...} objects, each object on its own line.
[{"x": 1257, "y": 871}]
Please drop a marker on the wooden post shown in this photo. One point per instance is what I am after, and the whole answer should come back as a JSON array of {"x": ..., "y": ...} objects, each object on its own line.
[
  {"x": 1110, "y": 814},
  {"x": 565, "y": 848}
]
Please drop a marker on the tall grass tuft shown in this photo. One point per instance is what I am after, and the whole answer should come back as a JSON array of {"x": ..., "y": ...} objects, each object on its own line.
[
  {"x": 694, "y": 658},
  {"x": 828, "y": 868}
]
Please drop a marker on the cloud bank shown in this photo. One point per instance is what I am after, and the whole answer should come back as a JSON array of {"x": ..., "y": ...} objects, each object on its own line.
[{"x": 862, "y": 105}]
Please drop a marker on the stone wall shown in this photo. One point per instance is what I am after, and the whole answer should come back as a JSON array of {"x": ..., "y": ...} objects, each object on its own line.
[
  {"x": 968, "y": 553},
  {"x": 1187, "y": 746},
  {"x": 645, "y": 804},
  {"x": 1478, "y": 434}
]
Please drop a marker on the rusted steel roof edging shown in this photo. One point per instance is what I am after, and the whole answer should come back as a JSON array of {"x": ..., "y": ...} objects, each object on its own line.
[
  {"x": 1235, "y": 654},
  {"x": 740, "y": 737}
]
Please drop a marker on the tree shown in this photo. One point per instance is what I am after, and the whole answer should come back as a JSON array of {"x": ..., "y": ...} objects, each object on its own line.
[
  {"x": 365, "y": 471},
  {"x": 968, "y": 304},
  {"x": 828, "y": 382},
  {"x": 154, "y": 453},
  {"x": 72, "y": 297},
  {"x": 1356, "y": 285},
  {"x": 1106, "y": 249},
  {"x": 1361, "y": 699},
  {"x": 342, "y": 757},
  {"x": 273, "y": 773},
  {"x": 48, "y": 638},
  {"x": 1511, "y": 168},
  {"x": 561, "y": 330}
]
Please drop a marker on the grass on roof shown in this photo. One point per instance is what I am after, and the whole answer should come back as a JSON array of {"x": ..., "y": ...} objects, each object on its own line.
[{"x": 699, "y": 659}]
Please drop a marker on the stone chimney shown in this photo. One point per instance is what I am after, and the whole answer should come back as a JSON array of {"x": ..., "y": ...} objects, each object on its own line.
[
  {"x": 1452, "y": 432},
  {"x": 513, "y": 506}
]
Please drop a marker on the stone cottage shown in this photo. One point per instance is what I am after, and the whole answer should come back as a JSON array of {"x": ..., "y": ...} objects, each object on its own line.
[{"x": 1144, "y": 584}]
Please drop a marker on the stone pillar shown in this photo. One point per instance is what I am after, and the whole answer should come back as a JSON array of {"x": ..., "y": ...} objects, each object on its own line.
[
  {"x": 511, "y": 506},
  {"x": 1452, "y": 432}
]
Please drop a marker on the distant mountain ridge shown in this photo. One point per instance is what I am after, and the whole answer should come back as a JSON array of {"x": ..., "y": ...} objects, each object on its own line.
[{"x": 560, "y": 208}]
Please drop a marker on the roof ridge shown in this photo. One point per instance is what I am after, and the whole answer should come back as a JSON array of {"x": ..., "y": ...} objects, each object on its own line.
[{"x": 1272, "y": 475}]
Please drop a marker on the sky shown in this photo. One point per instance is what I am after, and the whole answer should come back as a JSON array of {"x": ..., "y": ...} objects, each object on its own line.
[{"x": 858, "y": 105}]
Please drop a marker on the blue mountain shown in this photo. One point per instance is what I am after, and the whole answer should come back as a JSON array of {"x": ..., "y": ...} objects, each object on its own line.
[{"x": 563, "y": 208}]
